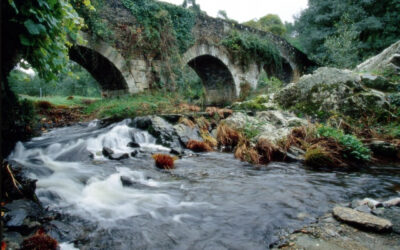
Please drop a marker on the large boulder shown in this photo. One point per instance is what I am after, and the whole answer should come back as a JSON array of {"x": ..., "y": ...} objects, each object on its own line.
[
  {"x": 387, "y": 60},
  {"x": 272, "y": 124},
  {"x": 330, "y": 90}
]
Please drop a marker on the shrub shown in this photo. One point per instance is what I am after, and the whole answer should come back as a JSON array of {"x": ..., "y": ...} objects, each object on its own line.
[
  {"x": 317, "y": 156},
  {"x": 40, "y": 241},
  {"x": 245, "y": 153},
  {"x": 198, "y": 146},
  {"x": 245, "y": 91},
  {"x": 227, "y": 136},
  {"x": 45, "y": 105},
  {"x": 268, "y": 151},
  {"x": 353, "y": 147},
  {"x": 70, "y": 97},
  {"x": 164, "y": 161}
]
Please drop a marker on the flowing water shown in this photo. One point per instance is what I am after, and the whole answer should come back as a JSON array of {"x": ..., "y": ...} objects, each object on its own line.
[{"x": 210, "y": 201}]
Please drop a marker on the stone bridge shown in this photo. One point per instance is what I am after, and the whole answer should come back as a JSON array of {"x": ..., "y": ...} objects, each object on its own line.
[{"x": 118, "y": 72}]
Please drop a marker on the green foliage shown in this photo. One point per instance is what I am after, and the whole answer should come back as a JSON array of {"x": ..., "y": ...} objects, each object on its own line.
[
  {"x": 268, "y": 84},
  {"x": 271, "y": 23},
  {"x": 250, "y": 129},
  {"x": 376, "y": 22},
  {"x": 342, "y": 46},
  {"x": 97, "y": 25},
  {"x": 353, "y": 146},
  {"x": 246, "y": 47},
  {"x": 45, "y": 29},
  {"x": 76, "y": 101},
  {"x": 164, "y": 25},
  {"x": 131, "y": 106},
  {"x": 76, "y": 82},
  {"x": 190, "y": 86}
]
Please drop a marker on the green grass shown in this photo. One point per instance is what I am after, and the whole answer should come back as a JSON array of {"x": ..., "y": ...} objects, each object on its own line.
[
  {"x": 130, "y": 106},
  {"x": 77, "y": 101}
]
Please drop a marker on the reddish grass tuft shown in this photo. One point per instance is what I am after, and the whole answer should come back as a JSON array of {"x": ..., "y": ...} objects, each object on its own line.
[
  {"x": 198, "y": 146},
  {"x": 70, "y": 98},
  {"x": 222, "y": 113},
  {"x": 3, "y": 245},
  {"x": 88, "y": 101},
  {"x": 246, "y": 153},
  {"x": 40, "y": 241},
  {"x": 227, "y": 136},
  {"x": 164, "y": 161},
  {"x": 268, "y": 151},
  {"x": 44, "y": 105},
  {"x": 187, "y": 122}
]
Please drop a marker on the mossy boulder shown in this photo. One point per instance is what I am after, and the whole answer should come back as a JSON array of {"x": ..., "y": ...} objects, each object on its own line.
[{"x": 331, "y": 90}]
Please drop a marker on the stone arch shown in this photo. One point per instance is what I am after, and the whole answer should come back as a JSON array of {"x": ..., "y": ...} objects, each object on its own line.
[
  {"x": 216, "y": 71},
  {"x": 106, "y": 65}
]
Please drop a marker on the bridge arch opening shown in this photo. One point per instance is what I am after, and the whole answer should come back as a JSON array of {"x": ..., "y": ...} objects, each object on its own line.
[
  {"x": 217, "y": 79},
  {"x": 106, "y": 73},
  {"x": 283, "y": 72}
]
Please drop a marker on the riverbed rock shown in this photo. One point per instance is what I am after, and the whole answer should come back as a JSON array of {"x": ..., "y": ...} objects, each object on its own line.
[
  {"x": 363, "y": 220},
  {"x": 392, "y": 202},
  {"x": 118, "y": 157},
  {"x": 107, "y": 152},
  {"x": 22, "y": 215},
  {"x": 186, "y": 133},
  {"x": 134, "y": 153},
  {"x": 133, "y": 144},
  {"x": 387, "y": 60},
  {"x": 163, "y": 131}
]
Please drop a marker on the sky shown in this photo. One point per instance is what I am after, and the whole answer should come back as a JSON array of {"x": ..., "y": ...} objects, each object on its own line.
[{"x": 245, "y": 10}]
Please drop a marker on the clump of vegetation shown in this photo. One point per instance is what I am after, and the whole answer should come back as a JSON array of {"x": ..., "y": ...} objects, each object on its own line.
[
  {"x": 187, "y": 122},
  {"x": 245, "y": 152},
  {"x": 198, "y": 146},
  {"x": 245, "y": 91},
  {"x": 164, "y": 161},
  {"x": 221, "y": 113},
  {"x": 227, "y": 136},
  {"x": 246, "y": 47},
  {"x": 353, "y": 147},
  {"x": 203, "y": 123},
  {"x": 45, "y": 105},
  {"x": 317, "y": 156},
  {"x": 208, "y": 139},
  {"x": 268, "y": 151},
  {"x": 39, "y": 241}
]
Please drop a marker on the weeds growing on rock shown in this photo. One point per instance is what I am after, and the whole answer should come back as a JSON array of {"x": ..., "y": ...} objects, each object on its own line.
[
  {"x": 198, "y": 146},
  {"x": 164, "y": 161},
  {"x": 268, "y": 151},
  {"x": 246, "y": 153},
  {"x": 227, "y": 136},
  {"x": 187, "y": 122},
  {"x": 207, "y": 138}
]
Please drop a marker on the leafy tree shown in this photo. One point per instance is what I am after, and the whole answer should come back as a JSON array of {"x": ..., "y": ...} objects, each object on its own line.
[
  {"x": 270, "y": 22},
  {"x": 222, "y": 14},
  {"x": 39, "y": 31},
  {"x": 376, "y": 21},
  {"x": 342, "y": 46}
]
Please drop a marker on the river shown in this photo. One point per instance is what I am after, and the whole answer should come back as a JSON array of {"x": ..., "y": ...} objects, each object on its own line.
[{"x": 210, "y": 201}]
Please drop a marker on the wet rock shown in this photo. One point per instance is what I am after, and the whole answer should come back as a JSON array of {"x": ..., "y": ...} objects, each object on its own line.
[
  {"x": 177, "y": 151},
  {"x": 13, "y": 239},
  {"x": 134, "y": 153},
  {"x": 382, "y": 148},
  {"x": 392, "y": 202},
  {"x": 363, "y": 208},
  {"x": 107, "y": 152},
  {"x": 133, "y": 144},
  {"x": 363, "y": 220},
  {"x": 118, "y": 157},
  {"x": 295, "y": 154},
  {"x": 371, "y": 203},
  {"x": 23, "y": 216},
  {"x": 163, "y": 131},
  {"x": 77, "y": 153},
  {"x": 186, "y": 133}
]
